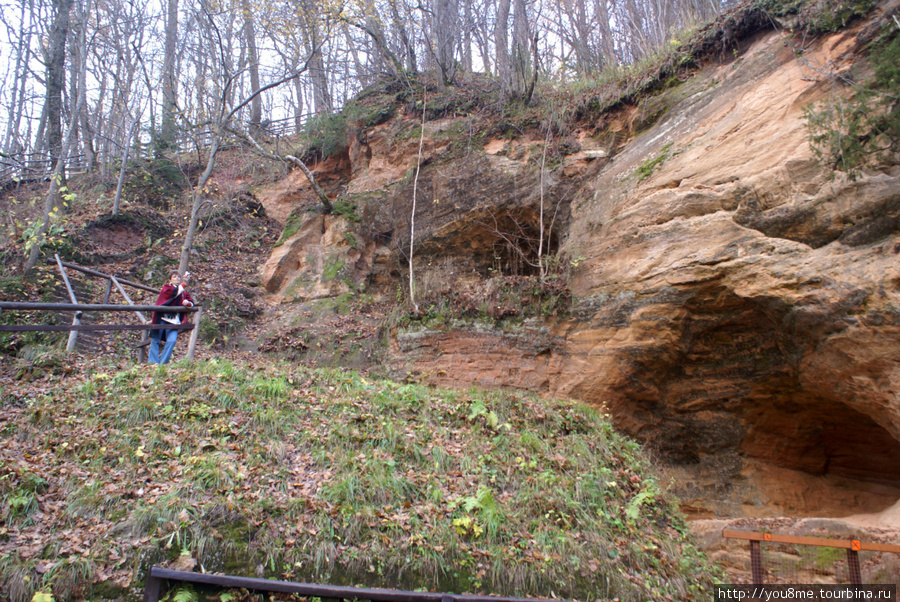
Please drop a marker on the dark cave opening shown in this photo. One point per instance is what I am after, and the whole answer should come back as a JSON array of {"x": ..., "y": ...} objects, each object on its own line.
[
  {"x": 822, "y": 438},
  {"x": 733, "y": 384}
]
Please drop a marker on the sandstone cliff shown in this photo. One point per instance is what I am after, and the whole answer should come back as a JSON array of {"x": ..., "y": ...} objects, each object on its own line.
[{"x": 733, "y": 303}]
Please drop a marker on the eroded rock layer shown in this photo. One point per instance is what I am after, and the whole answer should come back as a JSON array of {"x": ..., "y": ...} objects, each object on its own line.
[{"x": 734, "y": 304}]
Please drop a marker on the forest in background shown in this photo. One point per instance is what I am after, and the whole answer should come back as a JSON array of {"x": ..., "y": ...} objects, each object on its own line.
[{"x": 117, "y": 73}]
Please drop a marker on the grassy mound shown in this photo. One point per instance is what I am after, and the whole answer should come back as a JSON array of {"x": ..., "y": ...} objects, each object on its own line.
[{"x": 327, "y": 476}]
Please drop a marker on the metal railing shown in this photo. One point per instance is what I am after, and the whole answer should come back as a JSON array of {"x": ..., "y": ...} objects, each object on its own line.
[
  {"x": 35, "y": 166},
  {"x": 159, "y": 577}
]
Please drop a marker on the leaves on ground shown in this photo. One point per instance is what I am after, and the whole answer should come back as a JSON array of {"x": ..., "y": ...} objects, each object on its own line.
[{"x": 324, "y": 476}]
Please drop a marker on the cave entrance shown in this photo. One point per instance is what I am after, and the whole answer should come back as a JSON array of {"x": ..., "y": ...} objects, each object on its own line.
[
  {"x": 724, "y": 401},
  {"x": 514, "y": 244},
  {"x": 823, "y": 438}
]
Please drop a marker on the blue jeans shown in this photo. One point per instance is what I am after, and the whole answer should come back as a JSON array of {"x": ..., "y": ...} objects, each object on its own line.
[{"x": 170, "y": 336}]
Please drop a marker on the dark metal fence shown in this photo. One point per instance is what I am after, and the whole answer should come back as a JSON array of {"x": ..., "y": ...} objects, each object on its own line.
[
  {"x": 160, "y": 578},
  {"x": 36, "y": 166}
]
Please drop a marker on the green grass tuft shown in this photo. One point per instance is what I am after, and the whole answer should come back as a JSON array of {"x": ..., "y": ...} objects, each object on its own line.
[{"x": 328, "y": 476}]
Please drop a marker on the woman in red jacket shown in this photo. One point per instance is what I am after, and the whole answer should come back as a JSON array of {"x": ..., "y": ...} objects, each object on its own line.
[{"x": 172, "y": 294}]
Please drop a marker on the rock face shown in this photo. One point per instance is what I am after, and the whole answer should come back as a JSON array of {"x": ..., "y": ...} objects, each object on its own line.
[{"x": 735, "y": 305}]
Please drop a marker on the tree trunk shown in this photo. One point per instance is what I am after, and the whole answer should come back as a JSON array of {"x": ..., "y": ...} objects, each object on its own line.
[
  {"x": 56, "y": 77},
  {"x": 12, "y": 142},
  {"x": 501, "y": 43},
  {"x": 121, "y": 182},
  {"x": 253, "y": 65},
  {"x": 524, "y": 56},
  {"x": 197, "y": 201},
  {"x": 51, "y": 200},
  {"x": 607, "y": 44},
  {"x": 409, "y": 49},
  {"x": 167, "y": 128},
  {"x": 446, "y": 34},
  {"x": 299, "y": 107},
  {"x": 321, "y": 92}
]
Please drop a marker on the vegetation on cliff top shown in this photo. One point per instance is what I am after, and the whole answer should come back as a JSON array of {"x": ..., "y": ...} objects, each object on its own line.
[
  {"x": 325, "y": 476},
  {"x": 562, "y": 104},
  {"x": 859, "y": 125}
]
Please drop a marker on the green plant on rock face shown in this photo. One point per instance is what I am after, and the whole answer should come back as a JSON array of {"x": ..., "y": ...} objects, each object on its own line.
[
  {"x": 833, "y": 15},
  {"x": 645, "y": 170},
  {"x": 346, "y": 209},
  {"x": 327, "y": 133},
  {"x": 291, "y": 227},
  {"x": 849, "y": 133}
]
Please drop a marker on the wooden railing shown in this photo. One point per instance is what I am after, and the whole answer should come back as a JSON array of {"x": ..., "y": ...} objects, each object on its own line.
[
  {"x": 852, "y": 546},
  {"x": 77, "y": 310}
]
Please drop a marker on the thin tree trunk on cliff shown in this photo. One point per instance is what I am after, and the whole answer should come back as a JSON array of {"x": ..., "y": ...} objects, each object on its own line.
[
  {"x": 412, "y": 215},
  {"x": 121, "y": 182},
  {"x": 197, "y": 201},
  {"x": 323, "y": 198},
  {"x": 542, "y": 265}
]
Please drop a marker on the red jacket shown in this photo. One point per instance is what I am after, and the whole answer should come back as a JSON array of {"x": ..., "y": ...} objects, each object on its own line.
[{"x": 169, "y": 296}]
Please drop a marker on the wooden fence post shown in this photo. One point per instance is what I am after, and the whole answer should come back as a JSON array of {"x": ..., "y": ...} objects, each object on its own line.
[
  {"x": 756, "y": 568},
  {"x": 853, "y": 563},
  {"x": 73, "y": 335},
  {"x": 195, "y": 333}
]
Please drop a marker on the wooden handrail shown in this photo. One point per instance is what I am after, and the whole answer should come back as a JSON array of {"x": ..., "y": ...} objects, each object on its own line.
[
  {"x": 94, "y": 307},
  {"x": 92, "y": 327},
  {"x": 91, "y": 272},
  {"x": 847, "y": 544}
]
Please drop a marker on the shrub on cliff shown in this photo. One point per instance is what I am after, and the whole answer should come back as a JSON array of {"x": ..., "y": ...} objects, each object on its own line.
[{"x": 848, "y": 134}]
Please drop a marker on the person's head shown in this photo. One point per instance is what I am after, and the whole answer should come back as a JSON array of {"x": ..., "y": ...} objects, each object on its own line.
[{"x": 174, "y": 278}]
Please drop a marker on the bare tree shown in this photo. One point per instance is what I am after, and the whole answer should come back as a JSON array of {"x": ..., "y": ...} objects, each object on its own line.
[
  {"x": 169, "y": 101},
  {"x": 12, "y": 140},
  {"x": 52, "y": 198},
  {"x": 220, "y": 125}
]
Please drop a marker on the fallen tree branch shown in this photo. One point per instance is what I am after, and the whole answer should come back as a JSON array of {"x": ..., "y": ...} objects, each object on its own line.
[{"x": 323, "y": 198}]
